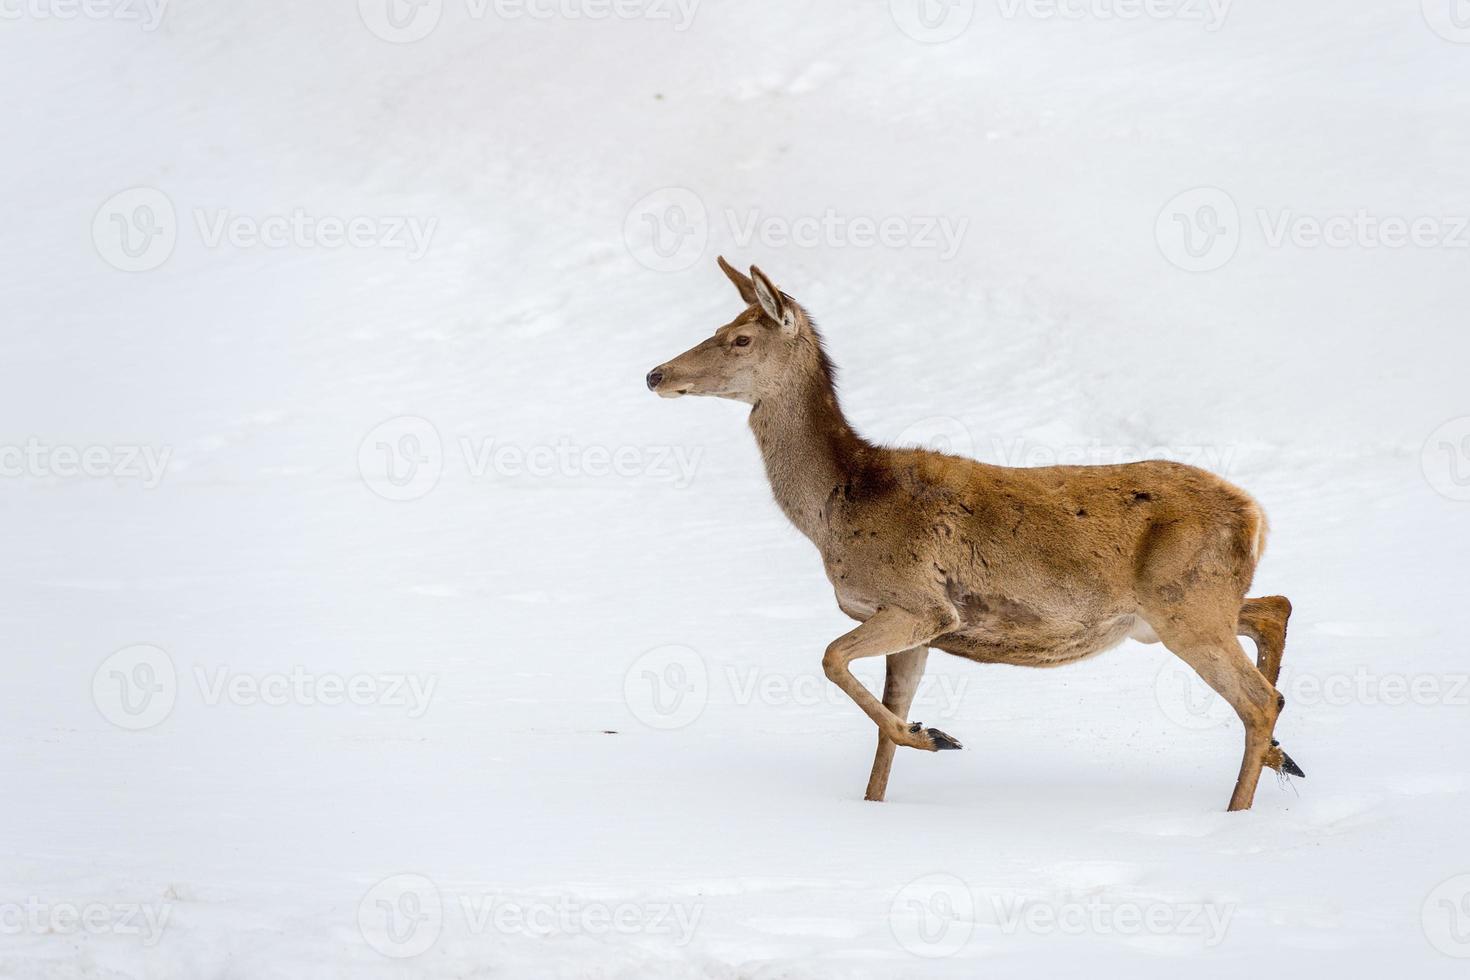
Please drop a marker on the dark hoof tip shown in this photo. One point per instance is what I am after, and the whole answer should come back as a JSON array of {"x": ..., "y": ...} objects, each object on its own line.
[
  {"x": 1291, "y": 768},
  {"x": 942, "y": 741}
]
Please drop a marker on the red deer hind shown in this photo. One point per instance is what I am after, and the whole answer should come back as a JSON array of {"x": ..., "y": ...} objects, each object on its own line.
[{"x": 1030, "y": 566}]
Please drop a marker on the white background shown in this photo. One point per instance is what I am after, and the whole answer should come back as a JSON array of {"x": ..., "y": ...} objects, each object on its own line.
[{"x": 281, "y": 382}]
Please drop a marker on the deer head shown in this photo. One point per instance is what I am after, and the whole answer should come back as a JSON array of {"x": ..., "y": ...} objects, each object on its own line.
[{"x": 747, "y": 358}]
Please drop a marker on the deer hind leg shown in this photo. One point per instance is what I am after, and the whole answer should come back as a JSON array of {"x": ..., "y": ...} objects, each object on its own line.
[
  {"x": 1216, "y": 655},
  {"x": 1264, "y": 621},
  {"x": 905, "y": 670},
  {"x": 890, "y": 630}
]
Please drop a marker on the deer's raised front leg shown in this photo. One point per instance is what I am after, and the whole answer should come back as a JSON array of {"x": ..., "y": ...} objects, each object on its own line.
[
  {"x": 889, "y": 630},
  {"x": 905, "y": 671}
]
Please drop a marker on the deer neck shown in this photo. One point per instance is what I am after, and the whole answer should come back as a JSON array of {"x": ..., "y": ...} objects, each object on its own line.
[{"x": 807, "y": 446}]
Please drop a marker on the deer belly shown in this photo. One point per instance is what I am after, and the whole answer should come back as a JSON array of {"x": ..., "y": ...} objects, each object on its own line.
[{"x": 1039, "y": 644}]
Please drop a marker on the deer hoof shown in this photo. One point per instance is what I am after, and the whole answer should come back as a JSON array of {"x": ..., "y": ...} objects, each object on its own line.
[
  {"x": 1277, "y": 759},
  {"x": 943, "y": 741},
  {"x": 937, "y": 739}
]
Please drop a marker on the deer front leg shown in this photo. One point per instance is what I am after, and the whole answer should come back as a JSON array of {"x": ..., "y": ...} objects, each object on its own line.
[
  {"x": 890, "y": 630},
  {"x": 905, "y": 671}
]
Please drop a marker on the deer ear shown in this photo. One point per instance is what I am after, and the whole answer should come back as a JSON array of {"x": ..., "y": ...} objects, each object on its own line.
[
  {"x": 772, "y": 302},
  {"x": 742, "y": 282}
]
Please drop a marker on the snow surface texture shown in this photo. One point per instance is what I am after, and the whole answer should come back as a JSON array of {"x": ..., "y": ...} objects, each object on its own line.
[{"x": 365, "y": 616}]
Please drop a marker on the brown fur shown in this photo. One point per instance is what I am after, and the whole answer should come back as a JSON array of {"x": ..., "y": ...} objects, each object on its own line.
[{"x": 1030, "y": 566}]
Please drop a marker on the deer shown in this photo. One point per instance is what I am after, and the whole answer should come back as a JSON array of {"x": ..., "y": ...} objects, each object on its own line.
[{"x": 1030, "y": 566}]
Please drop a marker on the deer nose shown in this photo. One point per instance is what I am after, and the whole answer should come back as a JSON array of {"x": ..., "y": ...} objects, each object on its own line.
[{"x": 654, "y": 377}]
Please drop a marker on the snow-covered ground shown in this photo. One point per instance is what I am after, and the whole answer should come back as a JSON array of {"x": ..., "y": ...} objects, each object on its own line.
[{"x": 364, "y": 615}]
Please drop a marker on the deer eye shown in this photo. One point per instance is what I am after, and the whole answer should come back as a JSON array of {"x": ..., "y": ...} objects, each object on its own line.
[{"x": 742, "y": 341}]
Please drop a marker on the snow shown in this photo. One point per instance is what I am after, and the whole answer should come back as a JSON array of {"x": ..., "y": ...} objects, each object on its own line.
[{"x": 550, "y": 703}]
